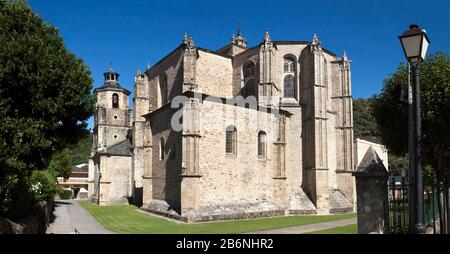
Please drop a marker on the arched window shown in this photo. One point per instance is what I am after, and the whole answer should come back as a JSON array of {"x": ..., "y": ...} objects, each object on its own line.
[
  {"x": 115, "y": 100},
  {"x": 289, "y": 86},
  {"x": 164, "y": 90},
  {"x": 230, "y": 140},
  {"x": 289, "y": 80},
  {"x": 262, "y": 144},
  {"x": 249, "y": 71},
  {"x": 288, "y": 65},
  {"x": 161, "y": 149},
  {"x": 249, "y": 80}
]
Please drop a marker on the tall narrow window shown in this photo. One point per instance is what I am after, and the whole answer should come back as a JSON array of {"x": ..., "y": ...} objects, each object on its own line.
[
  {"x": 289, "y": 86},
  {"x": 262, "y": 144},
  {"x": 115, "y": 100},
  {"x": 164, "y": 90},
  {"x": 161, "y": 149},
  {"x": 230, "y": 140},
  {"x": 289, "y": 80},
  {"x": 249, "y": 80}
]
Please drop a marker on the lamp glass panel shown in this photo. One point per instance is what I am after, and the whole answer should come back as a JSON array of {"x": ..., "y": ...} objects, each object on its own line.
[
  {"x": 411, "y": 45},
  {"x": 424, "y": 48}
]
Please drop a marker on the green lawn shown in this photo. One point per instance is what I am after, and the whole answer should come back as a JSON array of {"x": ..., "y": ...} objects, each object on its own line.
[
  {"x": 127, "y": 219},
  {"x": 350, "y": 229}
]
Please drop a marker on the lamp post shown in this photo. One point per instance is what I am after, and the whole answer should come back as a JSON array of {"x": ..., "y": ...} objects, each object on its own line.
[{"x": 415, "y": 44}]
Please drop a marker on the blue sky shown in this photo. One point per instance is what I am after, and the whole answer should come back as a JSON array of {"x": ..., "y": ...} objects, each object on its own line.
[{"x": 131, "y": 34}]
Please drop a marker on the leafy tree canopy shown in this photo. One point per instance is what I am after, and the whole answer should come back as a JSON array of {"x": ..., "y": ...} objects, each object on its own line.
[
  {"x": 60, "y": 164},
  {"x": 390, "y": 110},
  {"x": 45, "y": 99}
]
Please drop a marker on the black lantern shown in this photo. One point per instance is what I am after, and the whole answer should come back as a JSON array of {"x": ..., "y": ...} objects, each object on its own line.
[{"x": 415, "y": 43}]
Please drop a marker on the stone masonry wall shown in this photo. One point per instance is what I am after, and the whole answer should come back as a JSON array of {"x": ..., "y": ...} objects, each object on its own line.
[
  {"x": 166, "y": 171},
  {"x": 214, "y": 74},
  {"x": 115, "y": 181},
  {"x": 235, "y": 180},
  {"x": 172, "y": 67}
]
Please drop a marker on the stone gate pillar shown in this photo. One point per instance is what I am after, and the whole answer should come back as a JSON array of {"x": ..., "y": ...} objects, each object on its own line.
[{"x": 371, "y": 194}]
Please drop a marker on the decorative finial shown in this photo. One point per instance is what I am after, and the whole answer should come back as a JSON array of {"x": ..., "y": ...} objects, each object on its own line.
[
  {"x": 148, "y": 66},
  {"x": 240, "y": 40},
  {"x": 191, "y": 42},
  {"x": 139, "y": 72},
  {"x": 315, "y": 40},
  {"x": 110, "y": 66},
  {"x": 267, "y": 36},
  {"x": 233, "y": 38},
  {"x": 344, "y": 56},
  {"x": 185, "y": 38},
  {"x": 266, "y": 40}
]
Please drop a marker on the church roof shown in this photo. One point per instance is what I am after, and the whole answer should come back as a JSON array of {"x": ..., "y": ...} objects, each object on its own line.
[
  {"x": 112, "y": 83},
  {"x": 114, "y": 87},
  {"x": 122, "y": 148}
]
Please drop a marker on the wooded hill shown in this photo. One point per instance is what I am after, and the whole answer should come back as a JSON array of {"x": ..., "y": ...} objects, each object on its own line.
[{"x": 365, "y": 126}]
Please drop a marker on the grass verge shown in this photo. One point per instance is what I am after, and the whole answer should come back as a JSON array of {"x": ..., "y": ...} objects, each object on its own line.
[
  {"x": 127, "y": 219},
  {"x": 350, "y": 229}
]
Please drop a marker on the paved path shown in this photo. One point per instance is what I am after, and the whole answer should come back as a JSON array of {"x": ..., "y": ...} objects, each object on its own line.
[
  {"x": 309, "y": 228},
  {"x": 71, "y": 218}
]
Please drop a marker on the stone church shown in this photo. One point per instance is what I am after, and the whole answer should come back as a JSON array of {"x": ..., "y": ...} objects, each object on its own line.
[{"x": 285, "y": 146}]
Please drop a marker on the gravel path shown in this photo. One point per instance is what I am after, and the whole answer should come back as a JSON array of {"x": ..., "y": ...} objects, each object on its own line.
[
  {"x": 309, "y": 228},
  {"x": 71, "y": 218}
]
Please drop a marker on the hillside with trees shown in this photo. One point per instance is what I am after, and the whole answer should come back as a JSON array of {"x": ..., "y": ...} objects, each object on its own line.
[
  {"x": 80, "y": 152},
  {"x": 365, "y": 126}
]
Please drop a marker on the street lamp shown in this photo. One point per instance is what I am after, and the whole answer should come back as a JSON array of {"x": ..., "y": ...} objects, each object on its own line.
[{"x": 415, "y": 44}]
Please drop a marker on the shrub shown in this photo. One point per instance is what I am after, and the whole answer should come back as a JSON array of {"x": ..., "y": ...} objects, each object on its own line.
[
  {"x": 65, "y": 194},
  {"x": 16, "y": 199},
  {"x": 43, "y": 185}
]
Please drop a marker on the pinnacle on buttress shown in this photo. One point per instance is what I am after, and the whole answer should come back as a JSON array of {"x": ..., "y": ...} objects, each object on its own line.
[
  {"x": 191, "y": 42},
  {"x": 185, "y": 38},
  {"x": 344, "y": 56},
  {"x": 139, "y": 72},
  {"x": 148, "y": 66},
  {"x": 267, "y": 37},
  {"x": 315, "y": 40}
]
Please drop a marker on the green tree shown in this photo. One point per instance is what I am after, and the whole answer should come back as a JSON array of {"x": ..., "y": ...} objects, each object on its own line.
[
  {"x": 390, "y": 110},
  {"x": 45, "y": 101},
  {"x": 60, "y": 164},
  {"x": 391, "y": 113},
  {"x": 364, "y": 124}
]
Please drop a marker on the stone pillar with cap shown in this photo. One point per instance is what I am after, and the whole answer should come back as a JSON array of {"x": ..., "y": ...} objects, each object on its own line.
[{"x": 372, "y": 194}]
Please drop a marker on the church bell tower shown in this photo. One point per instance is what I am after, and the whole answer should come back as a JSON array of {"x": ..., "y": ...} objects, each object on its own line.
[
  {"x": 112, "y": 119},
  {"x": 111, "y": 132}
]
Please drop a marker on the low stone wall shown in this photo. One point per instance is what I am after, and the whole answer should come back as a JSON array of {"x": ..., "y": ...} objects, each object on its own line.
[
  {"x": 220, "y": 213},
  {"x": 302, "y": 212},
  {"x": 36, "y": 223},
  {"x": 236, "y": 216}
]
